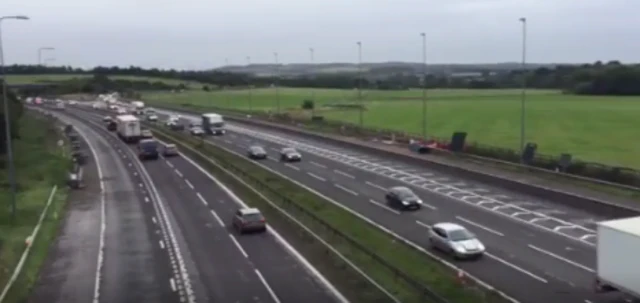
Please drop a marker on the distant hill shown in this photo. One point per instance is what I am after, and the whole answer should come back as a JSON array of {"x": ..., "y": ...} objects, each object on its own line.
[{"x": 373, "y": 69}]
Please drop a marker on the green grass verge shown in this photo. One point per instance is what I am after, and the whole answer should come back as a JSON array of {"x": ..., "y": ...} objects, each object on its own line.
[
  {"x": 40, "y": 164},
  {"x": 39, "y": 79},
  {"x": 592, "y": 128},
  {"x": 300, "y": 203}
]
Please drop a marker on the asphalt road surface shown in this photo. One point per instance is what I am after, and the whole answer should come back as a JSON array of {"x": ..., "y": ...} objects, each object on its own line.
[
  {"x": 132, "y": 268},
  {"x": 227, "y": 267},
  {"x": 537, "y": 250}
]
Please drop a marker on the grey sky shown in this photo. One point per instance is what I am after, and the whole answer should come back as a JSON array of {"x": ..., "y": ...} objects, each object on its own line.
[{"x": 199, "y": 34}]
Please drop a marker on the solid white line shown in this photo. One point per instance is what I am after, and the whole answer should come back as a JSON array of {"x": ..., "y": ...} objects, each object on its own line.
[
  {"x": 189, "y": 183},
  {"x": 317, "y": 177},
  {"x": 178, "y": 173},
  {"x": 154, "y": 220},
  {"x": 339, "y": 172},
  {"x": 264, "y": 282},
  {"x": 546, "y": 252},
  {"x": 376, "y": 203},
  {"x": 292, "y": 167},
  {"x": 345, "y": 189},
  {"x": 217, "y": 218},
  {"x": 244, "y": 253},
  {"x": 161, "y": 244},
  {"x": 480, "y": 226},
  {"x": 520, "y": 269},
  {"x": 202, "y": 199},
  {"x": 173, "y": 284},
  {"x": 317, "y": 164},
  {"x": 425, "y": 225},
  {"x": 375, "y": 185}
]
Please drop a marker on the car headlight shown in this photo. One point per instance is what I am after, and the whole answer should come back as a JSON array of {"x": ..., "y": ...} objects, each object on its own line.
[
  {"x": 419, "y": 201},
  {"x": 481, "y": 246},
  {"x": 405, "y": 203}
]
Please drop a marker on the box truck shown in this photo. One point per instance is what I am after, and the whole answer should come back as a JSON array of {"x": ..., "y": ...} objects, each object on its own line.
[
  {"x": 617, "y": 252},
  {"x": 128, "y": 128},
  {"x": 213, "y": 124}
]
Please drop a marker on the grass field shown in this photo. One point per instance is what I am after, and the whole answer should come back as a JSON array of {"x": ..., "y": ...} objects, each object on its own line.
[
  {"x": 29, "y": 79},
  {"x": 40, "y": 164},
  {"x": 598, "y": 129}
]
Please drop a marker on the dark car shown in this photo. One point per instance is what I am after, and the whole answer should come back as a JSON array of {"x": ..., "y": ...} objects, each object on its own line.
[
  {"x": 402, "y": 197},
  {"x": 148, "y": 149},
  {"x": 256, "y": 152},
  {"x": 107, "y": 119},
  {"x": 112, "y": 126},
  {"x": 170, "y": 150},
  {"x": 289, "y": 154},
  {"x": 175, "y": 125},
  {"x": 248, "y": 220}
]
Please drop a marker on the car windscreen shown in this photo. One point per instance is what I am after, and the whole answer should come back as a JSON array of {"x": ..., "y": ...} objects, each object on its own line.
[
  {"x": 148, "y": 144},
  {"x": 405, "y": 193},
  {"x": 289, "y": 151},
  {"x": 460, "y": 235},
  {"x": 252, "y": 217},
  {"x": 257, "y": 149}
]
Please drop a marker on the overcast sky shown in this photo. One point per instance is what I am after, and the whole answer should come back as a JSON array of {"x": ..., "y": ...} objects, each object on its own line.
[{"x": 200, "y": 34}]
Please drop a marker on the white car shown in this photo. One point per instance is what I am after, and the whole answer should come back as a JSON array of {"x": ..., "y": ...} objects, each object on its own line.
[
  {"x": 122, "y": 111},
  {"x": 152, "y": 118},
  {"x": 455, "y": 240}
]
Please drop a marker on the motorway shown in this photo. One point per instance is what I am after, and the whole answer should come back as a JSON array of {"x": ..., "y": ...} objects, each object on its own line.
[
  {"x": 192, "y": 212},
  {"x": 538, "y": 251}
]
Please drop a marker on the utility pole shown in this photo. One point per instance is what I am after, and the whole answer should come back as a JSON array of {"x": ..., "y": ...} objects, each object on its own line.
[
  {"x": 5, "y": 101},
  {"x": 523, "y": 94},
  {"x": 360, "y": 83},
  {"x": 424, "y": 86},
  {"x": 313, "y": 91},
  {"x": 275, "y": 56},
  {"x": 228, "y": 96},
  {"x": 250, "y": 88},
  {"x": 40, "y": 50}
]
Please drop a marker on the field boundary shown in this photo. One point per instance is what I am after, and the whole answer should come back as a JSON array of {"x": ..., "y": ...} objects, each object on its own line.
[
  {"x": 29, "y": 243},
  {"x": 567, "y": 198}
]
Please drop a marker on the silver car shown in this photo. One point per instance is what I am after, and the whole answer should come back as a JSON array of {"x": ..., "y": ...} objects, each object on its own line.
[{"x": 455, "y": 240}]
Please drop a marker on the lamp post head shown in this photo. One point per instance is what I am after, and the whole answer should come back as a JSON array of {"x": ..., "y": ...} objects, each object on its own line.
[
  {"x": 523, "y": 19},
  {"x": 18, "y": 17},
  {"x": 423, "y": 35}
]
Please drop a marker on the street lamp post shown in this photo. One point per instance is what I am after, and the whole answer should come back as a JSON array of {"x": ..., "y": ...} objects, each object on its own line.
[
  {"x": 5, "y": 101},
  {"x": 275, "y": 56},
  {"x": 360, "y": 82},
  {"x": 226, "y": 64},
  {"x": 42, "y": 49},
  {"x": 250, "y": 89},
  {"x": 313, "y": 91},
  {"x": 523, "y": 94},
  {"x": 48, "y": 60},
  {"x": 424, "y": 86}
]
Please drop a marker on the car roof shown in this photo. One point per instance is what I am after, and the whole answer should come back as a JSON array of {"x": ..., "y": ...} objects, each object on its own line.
[
  {"x": 288, "y": 149},
  {"x": 447, "y": 226},
  {"x": 249, "y": 211},
  {"x": 400, "y": 188},
  {"x": 170, "y": 145},
  {"x": 256, "y": 147}
]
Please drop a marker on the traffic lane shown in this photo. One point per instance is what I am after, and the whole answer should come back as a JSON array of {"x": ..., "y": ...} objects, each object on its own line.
[
  {"x": 134, "y": 267},
  {"x": 573, "y": 251},
  {"x": 518, "y": 258},
  {"x": 286, "y": 276},
  {"x": 224, "y": 271},
  {"x": 69, "y": 270}
]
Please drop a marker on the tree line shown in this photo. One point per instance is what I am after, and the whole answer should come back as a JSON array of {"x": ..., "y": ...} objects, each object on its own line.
[{"x": 611, "y": 78}]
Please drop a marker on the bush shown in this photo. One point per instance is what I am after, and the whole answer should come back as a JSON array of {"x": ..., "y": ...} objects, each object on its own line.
[{"x": 308, "y": 104}]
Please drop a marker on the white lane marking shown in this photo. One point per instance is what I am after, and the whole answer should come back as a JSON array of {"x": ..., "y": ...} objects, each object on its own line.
[
  {"x": 339, "y": 172},
  {"x": 135, "y": 173},
  {"x": 478, "y": 225},
  {"x": 378, "y": 204},
  {"x": 375, "y": 185},
  {"x": 215, "y": 215},
  {"x": 425, "y": 225},
  {"x": 129, "y": 164},
  {"x": 178, "y": 173},
  {"x": 292, "y": 167},
  {"x": 317, "y": 177},
  {"x": 546, "y": 252},
  {"x": 317, "y": 164},
  {"x": 140, "y": 185},
  {"x": 516, "y": 267},
  {"x": 189, "y": 184},
  {"x": 146, "y": 199},
  {"x": 228, "y": 142},
  {"x": 161, "y": 244},
  {"x": 244, "y": 253},
  {"x": 169, "y": 163},
  {"x": 173, "y": 284},
  {"x": 274, "y": 149},
  {"x": 345, "y": 189},
  {"x": 264, "y": 282},
  {"x": 154, "y": 220},
  {"x": 202, "y": 199},
  {"x": 320, "y": 278}
]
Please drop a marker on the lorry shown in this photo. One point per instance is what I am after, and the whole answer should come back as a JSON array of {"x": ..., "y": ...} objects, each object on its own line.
[
  {"x": 617, "y": 251},
  {"x": 148, "y": 149},
  {"x": 213, "y": 124},
  {"x": 138, "y": 107},
  {"x": 128, "y": 128}
]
